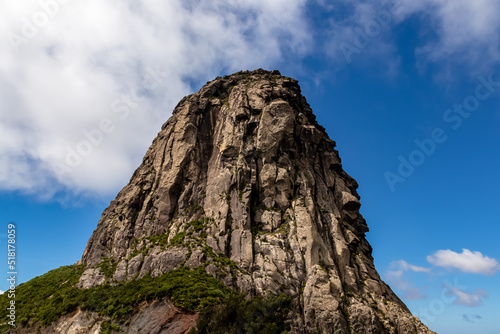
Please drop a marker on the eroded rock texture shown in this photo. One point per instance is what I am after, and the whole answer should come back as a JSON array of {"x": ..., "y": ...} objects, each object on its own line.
[{"x": 243, "y": 178}]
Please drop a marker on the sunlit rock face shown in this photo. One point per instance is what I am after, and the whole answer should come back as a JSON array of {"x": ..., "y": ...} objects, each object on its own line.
[{"x": 243, "y": 180}]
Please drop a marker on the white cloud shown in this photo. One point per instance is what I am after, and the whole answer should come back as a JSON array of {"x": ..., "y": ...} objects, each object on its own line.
[
  {"x": 472, "y": 299},
  {"x": 397, "y": 279},
  {"x": 68, "y": 72},
  {"x": 406, "y": 266},
  {"x": 467, "y": 261},
  {"x": 467, "y": 30}
]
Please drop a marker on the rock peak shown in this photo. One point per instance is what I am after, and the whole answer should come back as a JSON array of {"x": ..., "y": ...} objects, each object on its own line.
[{"x": 243, "y": 181}]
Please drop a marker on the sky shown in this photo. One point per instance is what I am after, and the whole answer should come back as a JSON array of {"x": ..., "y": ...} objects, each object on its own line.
[{"x": 409, "y": 90}]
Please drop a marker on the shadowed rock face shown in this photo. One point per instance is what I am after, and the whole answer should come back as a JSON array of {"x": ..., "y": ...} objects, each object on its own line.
[{"x": 243, "y": 178}]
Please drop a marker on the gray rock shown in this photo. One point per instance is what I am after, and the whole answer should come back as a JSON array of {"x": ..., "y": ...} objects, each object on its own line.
[
  {"x": 242, "y": 170},
  {"x": 90, "y": 278}
]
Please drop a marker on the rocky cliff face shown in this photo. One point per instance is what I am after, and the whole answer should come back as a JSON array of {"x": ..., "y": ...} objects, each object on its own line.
[{"x": 242, "y": 179}]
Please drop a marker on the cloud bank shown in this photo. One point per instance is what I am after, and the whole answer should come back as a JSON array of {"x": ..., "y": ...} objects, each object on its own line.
[{"x": 76, "y": 112}]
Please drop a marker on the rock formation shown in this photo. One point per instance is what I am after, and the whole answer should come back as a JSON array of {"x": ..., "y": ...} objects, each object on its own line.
[
  {"x": 245, "y": 159},
  {"x": 242, "y": 179}
]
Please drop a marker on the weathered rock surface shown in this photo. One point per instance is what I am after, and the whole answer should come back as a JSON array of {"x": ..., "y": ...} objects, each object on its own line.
[{"x": 243, "y": 178}]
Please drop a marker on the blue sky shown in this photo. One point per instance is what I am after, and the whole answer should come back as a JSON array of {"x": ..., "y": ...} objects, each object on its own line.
[{"x": 410, "y": 91}]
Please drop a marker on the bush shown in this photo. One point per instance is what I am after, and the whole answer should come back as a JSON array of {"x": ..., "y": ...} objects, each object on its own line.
[
  {"x": 107, "y": 327},
  {"x": 46, "y": 298},
  {"x": 178, "y": 239},
  {"x": 237, "y": 315},
  {"x": 108, "y": 266}
]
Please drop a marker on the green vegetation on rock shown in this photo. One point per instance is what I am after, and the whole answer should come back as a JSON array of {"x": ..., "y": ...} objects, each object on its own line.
[
  {"x": 46, "y": 298},
  {"x": 178, "y": 239},
  {"x": 107, "y": 327},
  {"x": 182, "y": 238},
  {"x": 108, "y": 266}
]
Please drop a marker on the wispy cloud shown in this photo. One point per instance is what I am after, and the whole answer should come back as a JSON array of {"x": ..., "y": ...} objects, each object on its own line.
[
  {"x": 467, "y": 261},
  {"x": 470, "y": 299},
  {"x": 450, "y": 32},
  {"x": 471, "y": 317},
  {"x": 397, "y": 279},
  {"x": 406, "y": 266},
  {"x": 466, "y": 31}
]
